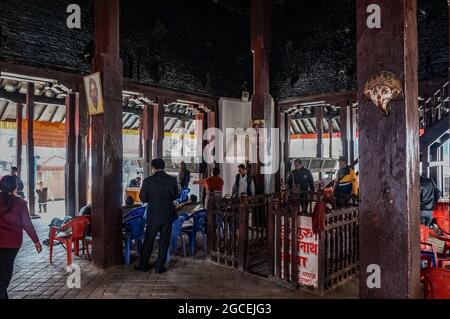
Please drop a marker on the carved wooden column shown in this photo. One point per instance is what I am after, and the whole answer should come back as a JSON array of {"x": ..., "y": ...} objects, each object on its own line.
[
  {"x": 158, "y": 130},
  {"x": 70, "y": 167},
  {"x": 389, "y": 149},
  {"x": 30, "y": 149},
  {"x": 261, "y": 100},
  {"x": 319, "y": 131},
  {"x": 82, "y": 158},
  {"x": 19, "y": 143},
  {"x": 147, "y": 131},
  {"x": 211, "y": 124},
  {"x": 330, "y": 132},
  {"x": 107, "y": 148},
  {"x": 343, "y": 118}
]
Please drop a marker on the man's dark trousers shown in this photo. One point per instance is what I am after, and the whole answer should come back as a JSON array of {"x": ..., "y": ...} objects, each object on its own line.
[{"x": 165, "y": 232}]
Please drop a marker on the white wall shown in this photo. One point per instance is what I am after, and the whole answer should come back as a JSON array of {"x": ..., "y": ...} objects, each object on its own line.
[{"x": 233, "y": 113}]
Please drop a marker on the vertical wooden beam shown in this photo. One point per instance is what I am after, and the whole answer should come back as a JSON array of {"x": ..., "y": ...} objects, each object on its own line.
[
  {"x": 260, "y": 45},
  {"x": 82, "y": 157},
  {"x": 448, "y": 78},
  {"x": 343, "y": 116},
  {"x": 389, "y": 148},
  {"x": 261, "y": 99},
  {"x": 319, "y": 130},
  {"x": 426, "y": 161},
  {"x": 210, "y": 124},
  {"x": 158, "y": 130},
  {"x": 141, "y": 137},
  {"x": 279, "y": 125},
  {"x": 30, "y": 148},
  {"x": 330, "y": 132},
  {"x": 147, "y": 128},
  {"x": 352, "y": 133},
  {"x": 107, "y": 147},
  {"x": 287, "y": 144},
  {"x": 70, "y": 169},
  {"x": 19, "y": 143}
]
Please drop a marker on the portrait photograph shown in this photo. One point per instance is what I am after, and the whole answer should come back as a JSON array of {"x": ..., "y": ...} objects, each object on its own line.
[{"x": 94, "y": 93}]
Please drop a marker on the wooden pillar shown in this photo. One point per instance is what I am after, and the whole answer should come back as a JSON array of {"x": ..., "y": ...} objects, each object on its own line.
[
  {"x": 70, "y": 167},
  {"x": 210, "y": 124},
  {"x": 448, "y": 78},
  {"x": 30, "y": 149},
  {"x": 287, "y": 143},
  {"x": 426, "y": 161},
  {"x": 330, "y": 132},
  {"x": 147, "y": 131},
  {"x": 19, "y": 143},
  {"x": 343, "y": 116},
  {"x": 107, "y": 147},
  {"x": 141, "y": 137},
  {"x": 352, "y": 133},
  {"x": 389, "y": 161},
  {"x": 82, "y": 158},
  {"x": 319, "y": 131},
  {"x": 158, "y": 130},
  {"x": 280, "y": 126},
  {"x": 261, "y": 100}
]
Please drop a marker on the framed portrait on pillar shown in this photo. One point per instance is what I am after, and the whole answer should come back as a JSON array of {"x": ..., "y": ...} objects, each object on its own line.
[{"x": 94, "y": 93}]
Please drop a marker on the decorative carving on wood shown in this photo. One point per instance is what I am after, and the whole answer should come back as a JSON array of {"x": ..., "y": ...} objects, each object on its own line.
[{"x": 383, "y": 88}]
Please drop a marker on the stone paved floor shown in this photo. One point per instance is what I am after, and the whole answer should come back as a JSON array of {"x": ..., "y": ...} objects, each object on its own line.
[{"x": 34, "y": 277}]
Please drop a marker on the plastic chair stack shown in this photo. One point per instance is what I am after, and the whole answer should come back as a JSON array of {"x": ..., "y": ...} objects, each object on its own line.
[{"x": 70, "y": 233}]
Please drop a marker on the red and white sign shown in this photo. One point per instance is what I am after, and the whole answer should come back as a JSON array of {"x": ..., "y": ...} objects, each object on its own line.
[{"x": 307, "y": 252}]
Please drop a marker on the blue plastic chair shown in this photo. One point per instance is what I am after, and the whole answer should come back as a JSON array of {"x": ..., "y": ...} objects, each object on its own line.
[
  {"x": 198, "y": 226},
  {"x": 184, "y": 195},
  {"x": 139, "y": 211},
  {"x": 133, "y": 229},
  {"x": 177, "y": 226}
]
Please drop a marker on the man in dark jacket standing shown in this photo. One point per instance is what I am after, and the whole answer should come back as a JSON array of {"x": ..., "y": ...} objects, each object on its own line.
[
  {"x": 160, "y": 191},
  {"x": 184, "y": 176},
  {"x": 300, "y": 180},
  {"x": 429, "y": 195}
]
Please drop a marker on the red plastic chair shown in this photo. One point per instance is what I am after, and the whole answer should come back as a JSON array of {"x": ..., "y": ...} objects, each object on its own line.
[
  {"x": 444, "y": 226},
  {"x": 436, "y": 283},
  {"x": 442, "y": 210},
  {"x": 77, "y": 227},
  {"x": 441, "y": 259}
]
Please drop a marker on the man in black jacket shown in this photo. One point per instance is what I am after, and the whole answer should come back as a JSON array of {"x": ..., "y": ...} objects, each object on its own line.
[
  {"x": 184, "y": 176},
  {"x": 299, "y": 181},
  {"x": 429, "y": 195},
  {"x": 300, "y": 178},
  {"x": 160, "y": 191}
]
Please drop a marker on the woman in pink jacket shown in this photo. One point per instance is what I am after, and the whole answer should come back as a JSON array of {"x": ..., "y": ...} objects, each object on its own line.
[{"x": 14, "y": 219}]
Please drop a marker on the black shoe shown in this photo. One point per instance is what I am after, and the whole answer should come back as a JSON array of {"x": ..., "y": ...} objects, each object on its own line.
[
  {"x": 143, "y": 269},
  {"x": 161, "y": 270}
]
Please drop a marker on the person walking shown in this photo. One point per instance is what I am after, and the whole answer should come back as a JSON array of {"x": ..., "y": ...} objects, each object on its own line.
[
  {"x": 14, "y": 219},
  {"x": 160, "y": 191}
]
